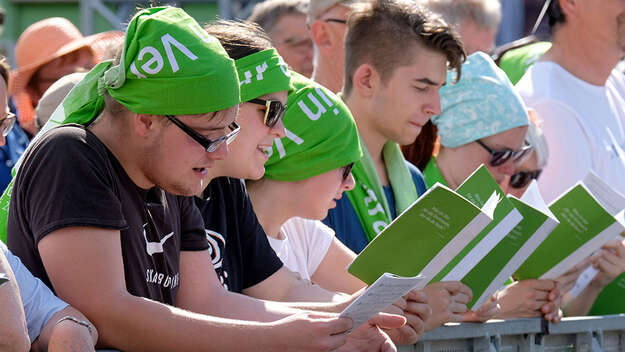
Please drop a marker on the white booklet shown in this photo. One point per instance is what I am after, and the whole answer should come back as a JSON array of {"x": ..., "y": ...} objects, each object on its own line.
[{"x": 383, "y": 292}]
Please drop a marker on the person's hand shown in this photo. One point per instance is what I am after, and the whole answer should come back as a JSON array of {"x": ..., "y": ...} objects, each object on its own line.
[
  {"x": 564, "y": 284},
  {"x": 414, "y": 307},
  {"x": 312, "y": 332},
  {"x": 369, "y": 337},
  {"x": 610, "y": 262},
  {"x": 528, "y": 298},
  {"x": 488, "y": 310},
  {"x": 448, "y": 301}
]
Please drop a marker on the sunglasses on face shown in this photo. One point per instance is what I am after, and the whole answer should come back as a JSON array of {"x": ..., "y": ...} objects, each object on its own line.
[
  {"x": 209, "y": 144},
  {"x": 347, "y": 169},
  {"x": 273, "y": 114},
  {"x": 7, "y": 123},
  {"x": 500, "y": 157},
  {"x": 522, "y": 178}
]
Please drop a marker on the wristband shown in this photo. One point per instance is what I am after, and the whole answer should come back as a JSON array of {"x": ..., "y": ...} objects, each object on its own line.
[{"x": 77, "y": 321}]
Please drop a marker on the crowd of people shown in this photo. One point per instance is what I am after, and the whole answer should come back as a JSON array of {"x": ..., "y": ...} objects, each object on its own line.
[{"x": 186, "y": 187}]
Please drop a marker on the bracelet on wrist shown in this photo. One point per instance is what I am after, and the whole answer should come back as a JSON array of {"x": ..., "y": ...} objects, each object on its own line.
[{"x": 77, "y": 321}]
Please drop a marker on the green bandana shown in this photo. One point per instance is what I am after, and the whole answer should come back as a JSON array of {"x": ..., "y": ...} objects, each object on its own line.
[
  {"x": 262, "y": 73},
  {"x": 368, "y": 198},
  {"x": 169, "y": 65},
  {"x": 321, "y": 134}
]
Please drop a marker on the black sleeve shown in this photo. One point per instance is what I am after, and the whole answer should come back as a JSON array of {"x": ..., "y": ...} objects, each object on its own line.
[
  {"x": 192, "y": 226},
  {"x": 68, "y": 181},
  {"x": 260, "y": 259}
]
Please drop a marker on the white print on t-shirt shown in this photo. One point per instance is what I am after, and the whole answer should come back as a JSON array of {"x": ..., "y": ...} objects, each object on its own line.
[
  {"x": 216, "y": 244},
  {"x": 154, "y": 277},
  {"x": 155, "y": 247},
  {"x": 155, "y": 64}
]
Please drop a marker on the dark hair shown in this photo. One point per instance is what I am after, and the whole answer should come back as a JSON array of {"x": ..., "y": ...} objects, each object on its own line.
[
  {"x": 268, "y": 12},
  {"x": 4, "y": 69},
  {"x": 380, "y": 32},
  {"x": 555, "y": 13},
  {"x": 239, "y": 39},
  {"x": 420, "y": 152}
]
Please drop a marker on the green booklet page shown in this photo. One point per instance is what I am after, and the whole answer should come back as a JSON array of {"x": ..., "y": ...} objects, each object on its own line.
[
  {"x": 496, "y": 267},
  {"x": 3, "y": 278},
  {"x": 477, "y": 188},
  {"x": 584, "y": 227},
  {"x": 423, "y": 238}
]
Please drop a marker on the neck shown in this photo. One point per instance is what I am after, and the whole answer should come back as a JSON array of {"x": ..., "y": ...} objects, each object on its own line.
[
  {"x": 116, "y": 139},
  {"x": 373, "y": 139},
  {"x": 592, "y": 61},
  {"x": 271, "y": 205},
  {"x": 328, "y": 73},
  {"x": 442, "y": 160}
]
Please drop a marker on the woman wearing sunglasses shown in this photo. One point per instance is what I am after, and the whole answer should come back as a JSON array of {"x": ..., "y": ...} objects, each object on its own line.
[{"x": 484, "y": 121}]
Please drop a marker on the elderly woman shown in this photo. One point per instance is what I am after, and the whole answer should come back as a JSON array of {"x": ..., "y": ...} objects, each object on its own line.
[{"x": 531, "y": 167}]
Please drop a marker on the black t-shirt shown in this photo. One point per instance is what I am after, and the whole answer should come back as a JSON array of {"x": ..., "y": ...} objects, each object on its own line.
[
  {"x": 239, "y": 248},
  {"x": 70, "y": 178}
]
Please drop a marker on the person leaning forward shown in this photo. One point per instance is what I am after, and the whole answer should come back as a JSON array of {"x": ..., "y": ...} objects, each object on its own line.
[{"x": 113, "y": 233}]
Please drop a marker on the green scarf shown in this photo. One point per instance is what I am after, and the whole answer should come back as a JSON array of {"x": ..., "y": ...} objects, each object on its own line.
[
  {"x": 262, "y": 73},
  {"x": 321, "y": 134},
  {"x": 169, "y": 65},
  {"x": 368, "y": 198}
]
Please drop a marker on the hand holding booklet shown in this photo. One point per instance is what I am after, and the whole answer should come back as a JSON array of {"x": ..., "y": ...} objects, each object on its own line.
[{"x": 385, "y": 290}]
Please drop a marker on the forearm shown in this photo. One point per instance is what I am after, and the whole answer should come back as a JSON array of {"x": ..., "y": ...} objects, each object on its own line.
[
  {"x": 580, "y": 305},
  {"x": 13, "y": 331},
  {"x": 134, "y": 323},
  {"x": 66, "y": 335}
]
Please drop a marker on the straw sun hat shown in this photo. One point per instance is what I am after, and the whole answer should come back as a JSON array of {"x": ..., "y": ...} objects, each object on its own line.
[{"x": 39, "y": 44}]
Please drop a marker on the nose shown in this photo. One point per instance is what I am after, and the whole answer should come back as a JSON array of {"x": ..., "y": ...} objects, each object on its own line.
[
  {"x": 220, "y": 153},
  {"x": 278, "y": 129},
  {"x": 508, "y": 168},
  {"x": 505, "y": 184},
  {"x": 349, "y": 183},
  {"x": 433, "y": 107}
]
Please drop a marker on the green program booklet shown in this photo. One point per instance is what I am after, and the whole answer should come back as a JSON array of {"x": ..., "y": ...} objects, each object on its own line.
[
  {"x": 585, "y": 226},
  {"x": 498, "y": 265},
  {"x": 477, "y": 188},
  {"x": 3, "y": 278},
  {"x": 424, "y": 237}
]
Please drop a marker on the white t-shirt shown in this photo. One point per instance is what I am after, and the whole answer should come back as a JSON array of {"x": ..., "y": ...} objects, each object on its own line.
[
  {"x": 40, "y": 304},
  {"x": 583, "y": 124},
  {"x": 303, "y": 245}
]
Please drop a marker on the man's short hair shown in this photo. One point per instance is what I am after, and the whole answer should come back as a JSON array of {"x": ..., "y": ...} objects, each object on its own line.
[
  {"x": 483, "y": 13},
  {"x": 4, "y": 70},
  {"x": 239, "y": 39},
  {"x": 267, "y": 13},
  {"x": 555, "y": 14},
  {"x": 379, "y": 33}
]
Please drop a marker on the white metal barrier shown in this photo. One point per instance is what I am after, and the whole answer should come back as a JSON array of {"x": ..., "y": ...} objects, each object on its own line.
[{"x": 596, "y": 334}]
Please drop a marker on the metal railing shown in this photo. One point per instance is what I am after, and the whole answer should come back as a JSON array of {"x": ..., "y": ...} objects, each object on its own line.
[{"x": 596, "y": 334}]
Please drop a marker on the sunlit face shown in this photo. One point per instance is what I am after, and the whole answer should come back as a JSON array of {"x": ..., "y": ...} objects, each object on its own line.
[
  {"x": 177, "y": 163},
  {"x": 465, "y": 159},
  {"x": 321, "y": 192},
  {"x": 337, "y": 30},
  {"x": 604, "y": 21},
  {"x": 410, "y": 97},
  {"x": 247, "y": 153},
  {"x": 476, "y": 38},
  {"x": 292, "y": 40},
  {"x": 46, "y": 75}
]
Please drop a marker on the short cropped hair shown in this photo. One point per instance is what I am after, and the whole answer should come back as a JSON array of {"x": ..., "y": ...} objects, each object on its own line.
[
  {"x": 4, "y": 69},
  {"x": 267, "y": 13},
  {"x": 380, "y": 32},
  {"x": 483, "y": 13},
  {"x": 239, "y": 39},
  {"x": 555, "y": 14}
]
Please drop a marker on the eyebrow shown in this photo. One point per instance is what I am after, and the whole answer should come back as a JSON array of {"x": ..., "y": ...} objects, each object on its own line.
[{"x": 429, "y": 82}]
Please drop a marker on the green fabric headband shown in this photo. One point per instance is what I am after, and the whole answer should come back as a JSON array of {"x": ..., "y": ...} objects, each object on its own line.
[
  {"x": 262, "y": 73},
  {"x": 321, "y": 134},
  {"x": 169, "y": 65}
]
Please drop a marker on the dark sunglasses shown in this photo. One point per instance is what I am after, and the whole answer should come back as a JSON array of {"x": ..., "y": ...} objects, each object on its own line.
[
  {"x": 273, "y": 114},
  {"x": 208, "y": 144},
  {"x": 499, "y": 157},
  {"x": 7, "y": 123},
  {"x": 347, "y": 169},
  {"x": 522, "y": 178},
  {"x": 335, "y": 20}
]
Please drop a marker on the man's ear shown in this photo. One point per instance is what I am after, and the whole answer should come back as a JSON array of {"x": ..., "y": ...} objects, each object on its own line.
[
  {"x": 365, "y": 80},
  {"x": 569, "y": 7},
  {"x": 321, "y": 36},
  {"x": 144, "y": 125}
]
